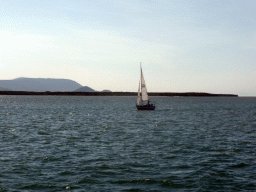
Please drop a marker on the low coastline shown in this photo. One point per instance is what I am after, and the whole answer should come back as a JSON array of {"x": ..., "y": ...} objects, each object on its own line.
[{"x": 170, "y": 94}]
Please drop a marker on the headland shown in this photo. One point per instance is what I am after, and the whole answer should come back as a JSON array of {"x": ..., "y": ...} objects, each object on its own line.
[{"x": 170, "y": 94}]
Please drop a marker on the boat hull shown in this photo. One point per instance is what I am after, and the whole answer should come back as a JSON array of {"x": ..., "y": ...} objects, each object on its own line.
[{"x": 145, "y": 107}]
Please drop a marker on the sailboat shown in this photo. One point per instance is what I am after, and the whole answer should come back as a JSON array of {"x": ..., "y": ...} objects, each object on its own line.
[{"x": 143, "y": 102}]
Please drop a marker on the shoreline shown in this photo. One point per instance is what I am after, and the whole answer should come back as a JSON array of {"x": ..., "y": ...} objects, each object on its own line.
[{"x": 170, "y": 94}]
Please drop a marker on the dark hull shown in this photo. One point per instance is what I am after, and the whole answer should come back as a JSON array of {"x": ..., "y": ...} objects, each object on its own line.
[{"x": 145, "y": 107}]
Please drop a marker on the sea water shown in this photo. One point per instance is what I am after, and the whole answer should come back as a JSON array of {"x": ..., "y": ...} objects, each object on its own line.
[{"x": 60, "y": 143}]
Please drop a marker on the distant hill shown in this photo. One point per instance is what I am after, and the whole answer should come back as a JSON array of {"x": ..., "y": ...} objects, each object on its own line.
[
  {"x": 39, "y": 84},
  {"x": 88, "y": 89},
  {"x": 105, "y": 90},
  {"x": 84, "y": 89},
  {"x": 4, "y": 89}
]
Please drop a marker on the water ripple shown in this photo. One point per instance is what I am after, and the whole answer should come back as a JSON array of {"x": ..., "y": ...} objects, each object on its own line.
[{"x": 104, "y": 144}]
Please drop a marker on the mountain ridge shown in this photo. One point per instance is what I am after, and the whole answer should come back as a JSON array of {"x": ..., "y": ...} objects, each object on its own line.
[
  {"x": 44, "y": 84},
  {"x": 39, "y": 84}
]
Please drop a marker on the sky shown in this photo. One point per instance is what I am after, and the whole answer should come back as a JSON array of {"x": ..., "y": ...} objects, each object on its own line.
[{"x": 184, "y": 45}]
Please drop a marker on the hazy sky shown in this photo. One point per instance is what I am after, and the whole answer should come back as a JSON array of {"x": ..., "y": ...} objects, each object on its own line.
[{"x": 184, "y": 45}]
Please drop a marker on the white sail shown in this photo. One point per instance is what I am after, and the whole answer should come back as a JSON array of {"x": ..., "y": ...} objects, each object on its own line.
[
  {"x": 138, "y": 98},
  {"x": 143, "y": 103},
  {"x": 144, "y": 93}
]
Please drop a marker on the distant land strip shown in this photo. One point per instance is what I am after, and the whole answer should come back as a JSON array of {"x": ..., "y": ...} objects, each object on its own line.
[{"x": 171, "y": 94}]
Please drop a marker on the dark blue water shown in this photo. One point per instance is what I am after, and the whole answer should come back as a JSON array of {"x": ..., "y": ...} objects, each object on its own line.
[{"x": 50, "y": 143}]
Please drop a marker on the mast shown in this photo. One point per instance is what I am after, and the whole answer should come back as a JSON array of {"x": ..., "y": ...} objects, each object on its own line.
[{"x": 140, "y": 78}]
